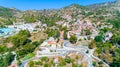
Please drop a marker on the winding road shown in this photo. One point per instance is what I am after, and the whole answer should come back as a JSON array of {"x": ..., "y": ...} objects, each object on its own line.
[
  {"x": 80, "y": 49},
  {"x": 67, "y": 49}
]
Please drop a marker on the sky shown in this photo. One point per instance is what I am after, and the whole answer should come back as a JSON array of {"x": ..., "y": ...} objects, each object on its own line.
[{"x": 46, "y": 4}]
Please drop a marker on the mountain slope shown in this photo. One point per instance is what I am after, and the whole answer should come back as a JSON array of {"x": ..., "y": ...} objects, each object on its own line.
[
  {"x": 7, "y": 12},
  {"x": 96, "y": 12}
]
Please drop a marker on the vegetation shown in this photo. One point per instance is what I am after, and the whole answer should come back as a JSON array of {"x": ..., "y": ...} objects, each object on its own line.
[
  {"x": 92, "y": 45},
  {"x": 50, "y": 20},
  {"x": 65, "y": 32},
  {"x": 88, "y": 32},
  {"x": 31, "y": 64},
  {"x": 62, "y": 62},
  {"x": 73, "y": 39},
  {"x": 22, "y": 44},
  {"x": 98, "y": 38},
  {"x": 6, "y": 60},
  {"x": 2, "y": 26},
  {"x": 67, "y": 60},
  {"x": 3, "y": 49},
  {"x": 53, "y": 33},
  {"x": 107, "y": 51},
  {"x": 21, "y": 38},
  {"x": 29, "y": 18},
  {"x": 115, "y": 39},
  {"x": 115, "y": 23},
  {"x": 6, "y": 12}
]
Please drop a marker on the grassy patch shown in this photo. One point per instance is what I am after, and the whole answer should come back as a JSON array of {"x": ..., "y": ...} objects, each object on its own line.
[{"x": 28, "y": 56}]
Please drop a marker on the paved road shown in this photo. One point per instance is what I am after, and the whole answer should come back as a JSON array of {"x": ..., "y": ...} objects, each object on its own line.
[
  {"x": 90, "y": 55},
  {"x": 78, "y": 49},
  {"x": 67, "y": 49},
  {"x": 100, "y": 60},
  {"x": 82, "y": 48}
]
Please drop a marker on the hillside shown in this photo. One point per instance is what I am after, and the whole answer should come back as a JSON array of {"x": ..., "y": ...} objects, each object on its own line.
[
  {"x": 7, "y": 15},
  {"x": 7, "y": 12},
  {"x": 95, "y": 12},
  {"x": 92, "y": 32}
]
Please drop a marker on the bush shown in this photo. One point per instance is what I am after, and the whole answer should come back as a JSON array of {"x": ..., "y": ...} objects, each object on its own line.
[
  {"x": 98, "y": 39},
  {"x": 92, "y": 45},
  {"x": 100, "y": 63},
  {"x": 19, "y": 62},
  {"x": 3, "y": 48},
  {"x": 46, "y": 65},
  {"x": 36, "y": 43},
  {"x": 51, "y": 34},
  {"x": 77, "y": 57},
  {"x": 38, "y": 63},
  {"x": 73, "y": 39},
  {"x": 28, "y": 48},
  {"x": 6, "y": 60},
  {"x": 21, "y": 38},
  {"x": 87, "y": 51},
  {"x": 74, "y": 65},
  {"x": 62, "y": 63},
  {"x": 67, "y": 60},
  {"x": 44, "y": 59},
  {"x": 31, "y": 64},
  {"x": 94, "y": 64}
]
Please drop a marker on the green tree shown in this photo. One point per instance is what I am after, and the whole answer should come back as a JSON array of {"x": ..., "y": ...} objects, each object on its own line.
[
  {"x": 92, "y": 45},
  {"x": 36, "y": 43},
  {"x": 114, "y": 22},
  {"x": 52, "y": 33},
  {"x": 9, "y": 58},
  {"x": 115, "y": 39},
  {"x": 2, "y": 26},
  {"x": 67, "y": 60},
  {"x": 88, "y": 32},
  {"x": 31, "y": 64},
  {"x": 26, "y": 49},
  {"x": 74, "y": 65},
  {"x": 9, "y": 22},
  {"x": 46, "y": 65},
  {"x": 98, "y": 38},
  {"x": 73, "y": 39},
  {"x": 3, "y": 48},
  {"x": 44, "y": 58},
  {"x": 65, "y": 32},
  {"x": 6, "y": 60},
  {"x": 29, "y": 18},
  {"x": 21, "y": 38},
  {"x": 50, "y": 20},
  {"x": 94, "y": 64}
]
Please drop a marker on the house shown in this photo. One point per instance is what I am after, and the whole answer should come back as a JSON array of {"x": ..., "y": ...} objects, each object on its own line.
[{"x": 50, "y": 41}]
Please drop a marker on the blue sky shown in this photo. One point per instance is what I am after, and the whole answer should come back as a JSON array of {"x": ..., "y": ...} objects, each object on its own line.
[{"x": 45, "y": 4}]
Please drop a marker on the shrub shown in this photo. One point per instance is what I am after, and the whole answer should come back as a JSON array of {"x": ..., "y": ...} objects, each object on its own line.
[
  {"x": 67, "y": 60},
  {"x": 73, "y": 39},
  {"x": 44, "y": 58},
  {"x": 46, "y": 65}
]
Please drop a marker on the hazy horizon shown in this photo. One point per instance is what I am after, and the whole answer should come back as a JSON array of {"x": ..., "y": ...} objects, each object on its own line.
[{"x": 46, "y": 4}]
